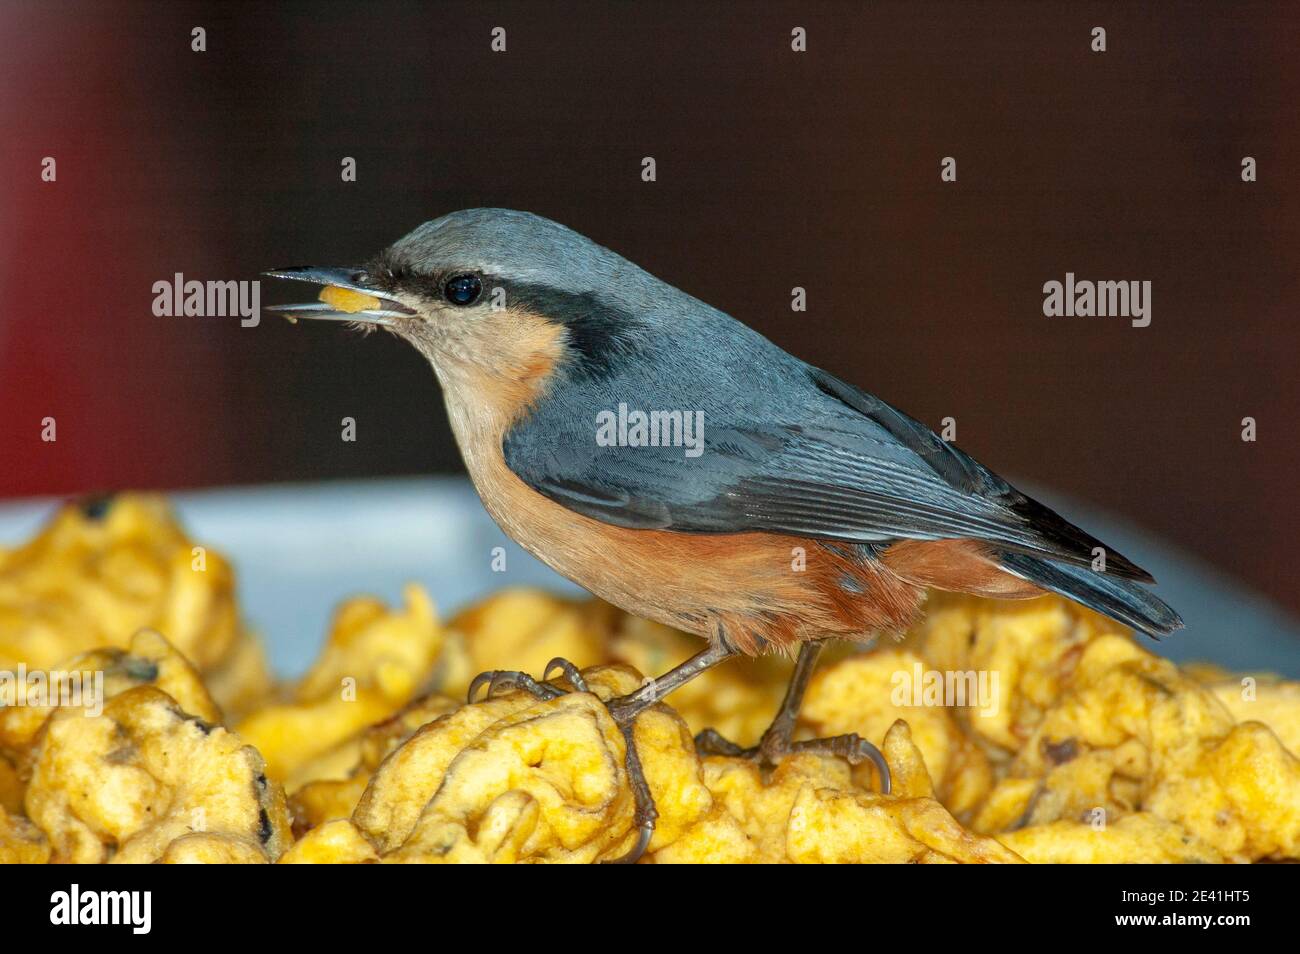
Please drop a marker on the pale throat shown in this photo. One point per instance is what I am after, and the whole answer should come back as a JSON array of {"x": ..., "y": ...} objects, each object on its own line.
[
  {"x": 480, "y": 411},
  {"x": 485, "y": 400}
]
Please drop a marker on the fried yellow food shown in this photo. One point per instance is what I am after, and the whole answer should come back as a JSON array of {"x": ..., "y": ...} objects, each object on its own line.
[
  {"x": 523, "y": 629},
  {"x": 1031, "y": 646},
  {"x": 858, "y": 694},
  {"x": 1263, "y": 699},
  {"x": 374, "y": 662},
  {"x": 810, "y": 811},
  {"x": 1015, "y": 731},
  {"x": 100, "y": 571},
  {"x": 21, "y": 842},
  {"x": 1129, "y": 734},
  {"x": 149, "y": 660},
  {"x": 11, "y": 785},
  {"x": 1140, "y": 838},
  {"x": 515, "y": 779},
  {"x": 505, "y": 780},
  {"x": 325, "y": 799},
  {"x": 335, "y": 842},
  {"x": 125, "y": 779},
  {"x": 124, "y": 786},
  {"x": 345, "y": 299}
]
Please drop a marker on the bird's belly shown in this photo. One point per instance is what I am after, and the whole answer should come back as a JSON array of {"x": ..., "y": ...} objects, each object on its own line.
[
  {"x": 635, "y": 570},
  {"x": 757, "y": 591}
]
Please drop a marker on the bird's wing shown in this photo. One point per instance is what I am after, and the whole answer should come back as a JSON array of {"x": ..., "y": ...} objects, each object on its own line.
[{"x": 840, "y": 464}]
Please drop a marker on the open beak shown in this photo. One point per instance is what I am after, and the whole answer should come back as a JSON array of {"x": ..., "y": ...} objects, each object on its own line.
[{"x": 384, "y": 311}]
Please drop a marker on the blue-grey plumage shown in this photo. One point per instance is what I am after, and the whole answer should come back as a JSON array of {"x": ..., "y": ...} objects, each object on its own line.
[{"x": 561, "y": 329}]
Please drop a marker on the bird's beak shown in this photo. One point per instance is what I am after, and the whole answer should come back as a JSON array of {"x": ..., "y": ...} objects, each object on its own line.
[{"x": 383, "y": 311}]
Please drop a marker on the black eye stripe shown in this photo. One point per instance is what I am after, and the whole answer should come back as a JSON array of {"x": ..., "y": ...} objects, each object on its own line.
[{"x": 462, "y": 289}]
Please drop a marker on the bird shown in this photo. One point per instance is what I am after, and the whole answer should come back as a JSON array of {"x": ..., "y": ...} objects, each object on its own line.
[{"x": 676, "y": 463}]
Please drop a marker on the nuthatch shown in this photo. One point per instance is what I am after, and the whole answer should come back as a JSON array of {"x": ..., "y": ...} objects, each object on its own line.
[{"x": 746, "y": 497}]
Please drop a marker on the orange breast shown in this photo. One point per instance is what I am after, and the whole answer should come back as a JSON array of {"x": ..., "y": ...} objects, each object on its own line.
[{"x": 759, "y": 592}]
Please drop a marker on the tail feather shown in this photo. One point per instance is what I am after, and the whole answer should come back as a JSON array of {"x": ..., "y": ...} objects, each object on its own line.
[{"x": 1120, "y": 599}]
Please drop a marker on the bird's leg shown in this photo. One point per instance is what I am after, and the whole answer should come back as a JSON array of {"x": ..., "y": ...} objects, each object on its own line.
[
  {"x": 624, "y": 710},
  {"x": 628, "y": 707},
  {"x": 777, "y": 741}
]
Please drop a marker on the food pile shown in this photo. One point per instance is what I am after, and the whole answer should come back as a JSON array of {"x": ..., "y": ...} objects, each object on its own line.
[{"x": 1072, "y": 742}]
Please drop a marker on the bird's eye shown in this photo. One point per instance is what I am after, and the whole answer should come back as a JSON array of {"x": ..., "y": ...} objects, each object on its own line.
[{"x": 462, "y": 289}]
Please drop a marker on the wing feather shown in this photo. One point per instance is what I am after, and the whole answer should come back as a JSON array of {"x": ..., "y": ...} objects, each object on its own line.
[{"x": 835, "y": 463}]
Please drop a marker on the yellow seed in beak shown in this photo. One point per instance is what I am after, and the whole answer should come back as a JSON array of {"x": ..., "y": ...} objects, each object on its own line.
[{"x": 347, "y": 300}]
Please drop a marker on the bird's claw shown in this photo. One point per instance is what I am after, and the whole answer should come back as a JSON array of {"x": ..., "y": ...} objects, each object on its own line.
[
  {"x": 570, "y": 671},
  {"x": 713, "y": 742},
  {"x": 645, "y": 831},
  {"x": 851, "y": 747},
  {"x": 498, "y": 679}
]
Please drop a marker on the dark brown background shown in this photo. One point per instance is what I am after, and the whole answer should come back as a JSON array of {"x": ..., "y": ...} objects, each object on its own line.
[{"x": 775, "y": 169}]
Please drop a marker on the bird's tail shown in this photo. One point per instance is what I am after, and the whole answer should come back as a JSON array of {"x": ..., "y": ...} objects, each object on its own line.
[{"x": 1122, "y": 600}]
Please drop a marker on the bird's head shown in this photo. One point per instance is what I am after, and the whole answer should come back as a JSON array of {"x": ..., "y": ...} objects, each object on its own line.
[{"x": 493, "y": 297}]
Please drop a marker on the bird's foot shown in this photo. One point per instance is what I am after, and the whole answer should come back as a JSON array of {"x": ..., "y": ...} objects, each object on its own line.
[
  {"x": 644, "y": 813},
  {"x": 773, "y": 747},
  {"x": 497, "y": 680},
  {"x": 713, "y": 742}
]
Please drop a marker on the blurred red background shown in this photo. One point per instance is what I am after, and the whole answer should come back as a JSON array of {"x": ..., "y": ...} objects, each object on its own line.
[{"x": 775, "y": 169}]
